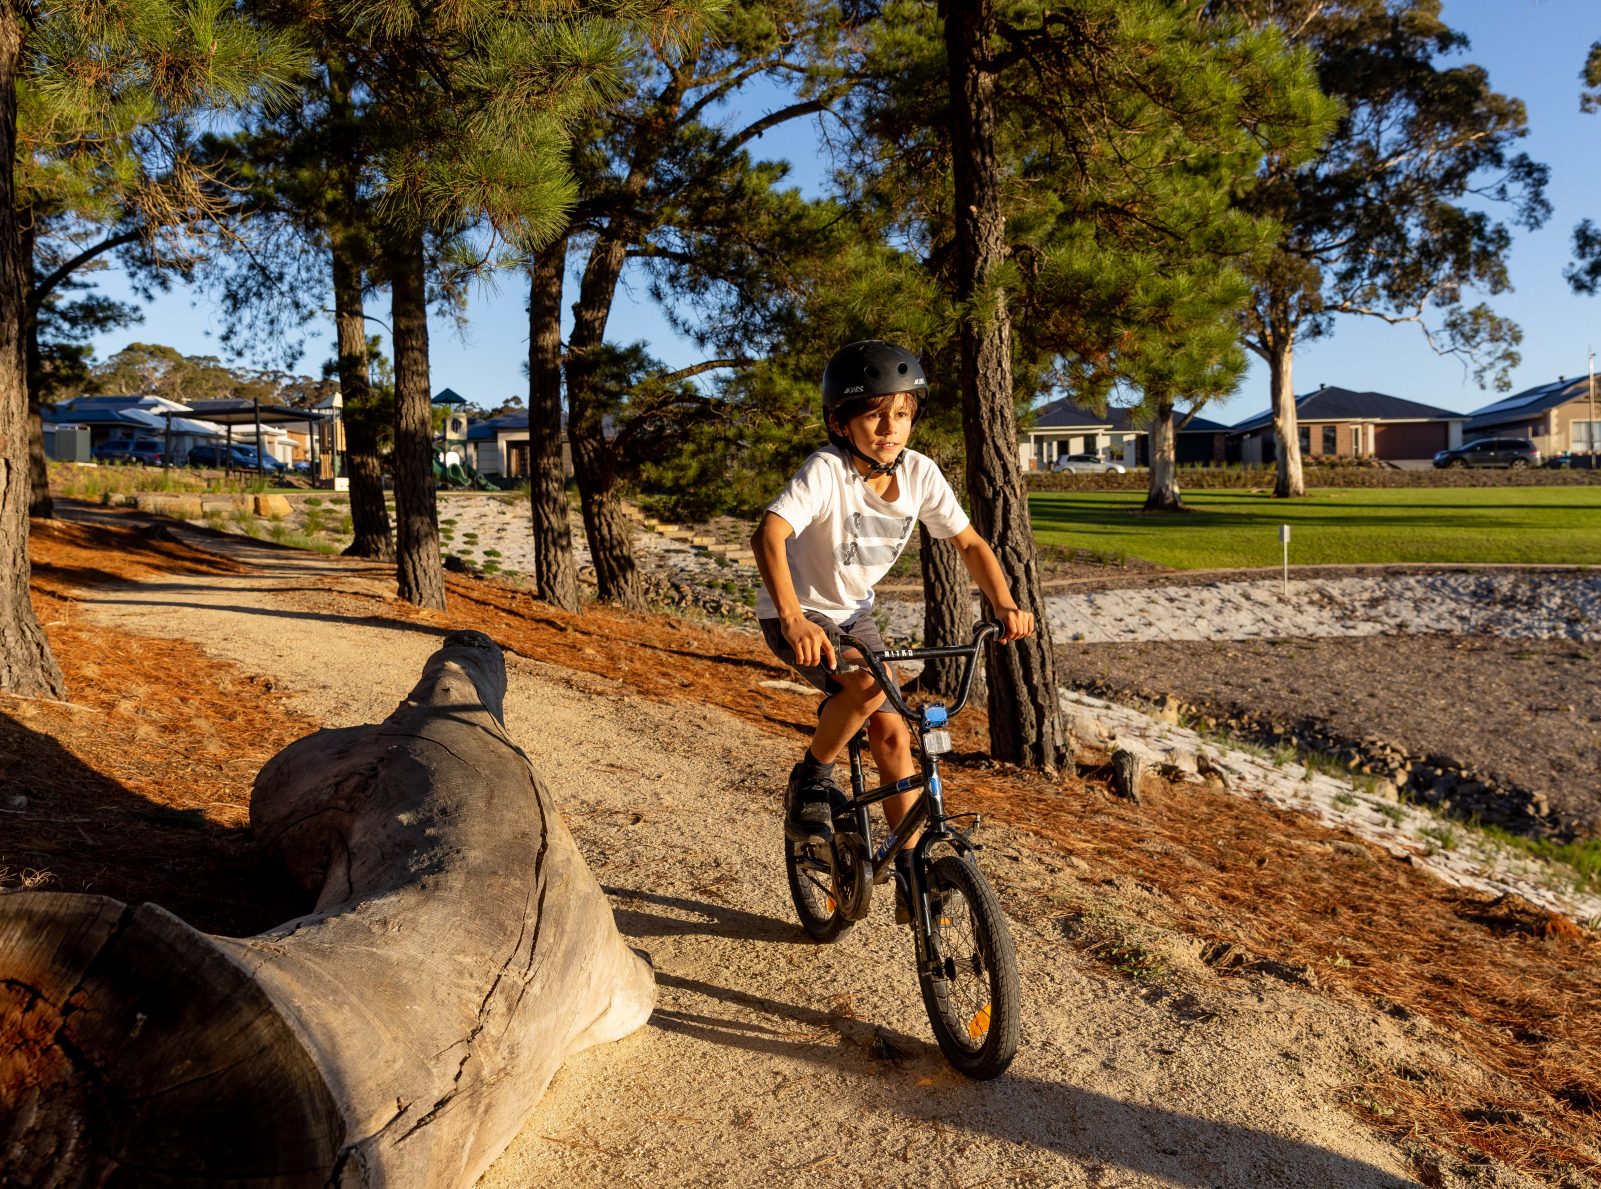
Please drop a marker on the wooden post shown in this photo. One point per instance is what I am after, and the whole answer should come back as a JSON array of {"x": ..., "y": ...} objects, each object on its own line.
[
  {"x": 398, "y": 1034},
  {"x": 1128, "y": 773}
]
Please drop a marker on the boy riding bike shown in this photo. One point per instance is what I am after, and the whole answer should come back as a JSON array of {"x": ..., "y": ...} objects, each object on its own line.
[{"x": 828, "y": 538}]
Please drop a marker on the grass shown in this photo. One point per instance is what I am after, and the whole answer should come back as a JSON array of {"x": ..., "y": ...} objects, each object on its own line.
[
  {"x": 1581, "y": 857},
  {"x": 1332, "y": 526}
]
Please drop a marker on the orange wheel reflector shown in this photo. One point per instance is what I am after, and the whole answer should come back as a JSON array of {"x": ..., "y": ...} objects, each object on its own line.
[{"x": 980, "y": 1023}]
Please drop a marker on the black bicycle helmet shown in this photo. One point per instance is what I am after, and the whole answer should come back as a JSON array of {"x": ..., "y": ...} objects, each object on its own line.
[{"x": 856, "y": 374}]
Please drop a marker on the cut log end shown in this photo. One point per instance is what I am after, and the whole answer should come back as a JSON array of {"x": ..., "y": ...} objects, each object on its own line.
[{"x": 131, "y": 1042}]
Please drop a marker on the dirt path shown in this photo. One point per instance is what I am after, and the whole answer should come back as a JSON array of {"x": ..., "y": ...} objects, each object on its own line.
[{"x": 773, "y": 1061}]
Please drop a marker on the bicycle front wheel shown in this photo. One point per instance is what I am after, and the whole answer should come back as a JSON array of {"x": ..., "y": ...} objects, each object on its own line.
[{"x": 972, "y": 994}]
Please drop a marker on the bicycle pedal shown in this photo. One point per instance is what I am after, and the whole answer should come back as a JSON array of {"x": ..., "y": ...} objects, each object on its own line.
[{"x": 808, "y": 835}]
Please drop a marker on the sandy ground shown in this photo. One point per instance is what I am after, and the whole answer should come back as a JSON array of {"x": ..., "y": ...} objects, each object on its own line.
[{"x": 773, "y": 1061}]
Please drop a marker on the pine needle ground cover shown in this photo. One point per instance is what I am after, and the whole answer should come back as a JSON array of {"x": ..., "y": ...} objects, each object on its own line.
[
  {"x": 140, "y": 790},
  {"x": 1332, "y": 526}
]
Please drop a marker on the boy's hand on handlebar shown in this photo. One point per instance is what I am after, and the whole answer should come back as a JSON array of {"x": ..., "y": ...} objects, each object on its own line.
[
  {"x": 1015, "y": 624},
  {"x": 810, "y": 642}
]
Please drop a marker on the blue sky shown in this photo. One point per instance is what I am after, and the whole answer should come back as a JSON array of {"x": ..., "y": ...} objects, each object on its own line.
[{"x": 1533, "y": 49}]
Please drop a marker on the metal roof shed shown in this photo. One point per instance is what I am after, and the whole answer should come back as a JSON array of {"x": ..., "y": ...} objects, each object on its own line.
[{"x": 229, "y": 413}]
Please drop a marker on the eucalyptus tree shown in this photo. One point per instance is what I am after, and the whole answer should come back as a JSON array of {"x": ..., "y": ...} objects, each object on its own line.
[
  {"x": 1395, "y": 218},
  {"x": 97, "y": 62},
  {"x": 1584, "y": 274}
]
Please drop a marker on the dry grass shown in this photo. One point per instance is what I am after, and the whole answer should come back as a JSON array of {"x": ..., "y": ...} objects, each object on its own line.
[{"x": 150, "y": 786}]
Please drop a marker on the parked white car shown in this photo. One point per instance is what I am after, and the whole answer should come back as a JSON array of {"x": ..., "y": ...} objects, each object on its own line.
[{"x": 1087, "y": 464}]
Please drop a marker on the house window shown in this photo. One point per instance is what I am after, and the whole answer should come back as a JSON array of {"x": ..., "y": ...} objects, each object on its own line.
[
  {"x": 1331, "y": 439},
  {"x": 1356, "y": 441},
  {"x": 1586, "y": 435},
  {"x": 1306, "y": 439}
]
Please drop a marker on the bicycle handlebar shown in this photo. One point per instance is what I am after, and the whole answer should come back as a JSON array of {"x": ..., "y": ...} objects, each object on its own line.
[{"x": 874, "y": 661}]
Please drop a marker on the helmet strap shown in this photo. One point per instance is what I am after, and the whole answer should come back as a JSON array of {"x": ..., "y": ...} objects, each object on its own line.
[{"x": 874, "y": 467}]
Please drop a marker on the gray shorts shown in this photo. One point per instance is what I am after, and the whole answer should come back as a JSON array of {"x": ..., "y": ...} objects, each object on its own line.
[{"x": 860, "y": 625}]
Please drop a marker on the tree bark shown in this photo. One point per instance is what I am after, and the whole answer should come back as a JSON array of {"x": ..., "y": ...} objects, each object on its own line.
[
  {"x": 369, "y": 516},
  {"x": 555, "y": 571},
  {"x": 610, "y": 546},
  {"x": 417, "y": 560},
  {"x": 1286, "y": 429},
  {"x": 26, "y": 664},
  {"x": 399, "y": 1034},
  {"x": 1163, "y": 494},
  {"x": 1025, "y": 715},
  {"x": 947, "y": 611}
]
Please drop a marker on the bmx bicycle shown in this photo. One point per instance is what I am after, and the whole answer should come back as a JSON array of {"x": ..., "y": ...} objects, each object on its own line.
[{"x": 966, "y": 964}]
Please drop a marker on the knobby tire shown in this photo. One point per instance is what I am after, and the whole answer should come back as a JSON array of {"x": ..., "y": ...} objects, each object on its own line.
[{"x": 973, "y": 999}]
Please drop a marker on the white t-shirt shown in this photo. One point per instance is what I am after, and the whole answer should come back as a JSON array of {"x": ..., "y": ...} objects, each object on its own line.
[{"x": 847, "y": 537}]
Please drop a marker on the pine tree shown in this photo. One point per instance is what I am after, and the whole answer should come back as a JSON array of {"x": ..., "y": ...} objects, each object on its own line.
[
  {"x": 99, "y": 62},
  {"x": 663, "y": 180}
]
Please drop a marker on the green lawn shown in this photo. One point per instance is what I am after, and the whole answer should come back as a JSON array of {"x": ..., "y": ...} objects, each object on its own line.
[{"x": 1339, "y": 526}]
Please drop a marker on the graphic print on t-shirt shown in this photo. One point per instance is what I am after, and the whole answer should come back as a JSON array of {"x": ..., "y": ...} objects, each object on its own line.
[{"x": 874, "y": 540}]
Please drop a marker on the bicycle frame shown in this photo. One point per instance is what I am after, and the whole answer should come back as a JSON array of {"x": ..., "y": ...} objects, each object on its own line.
[{"x": 929, "y": 809}]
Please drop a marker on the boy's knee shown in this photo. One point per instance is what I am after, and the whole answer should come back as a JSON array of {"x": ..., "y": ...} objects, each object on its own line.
[
  {"x": 889, "y": 730},
  {"x": 862, "y": 690}
]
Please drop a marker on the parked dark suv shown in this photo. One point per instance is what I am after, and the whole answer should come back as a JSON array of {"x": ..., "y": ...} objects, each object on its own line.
[
  {"x": 243, "y": 457},
  {"x": 1491, "y": 452},
  {"x": 145, "y": 450}
]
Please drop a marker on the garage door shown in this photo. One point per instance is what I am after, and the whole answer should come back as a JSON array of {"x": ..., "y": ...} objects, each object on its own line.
[{"x": 1418, "y": 439}]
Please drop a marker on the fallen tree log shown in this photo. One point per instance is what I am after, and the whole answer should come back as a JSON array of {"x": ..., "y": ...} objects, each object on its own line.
[{"x": 397, "y": 1035}]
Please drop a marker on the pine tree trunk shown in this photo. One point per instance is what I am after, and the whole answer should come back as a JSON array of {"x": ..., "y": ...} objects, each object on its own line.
[
  {"x": 349, "y": 247},
  {"x": 1163, "y": 495},
  {"x": 417, "y": 560},
  {"x": 1026, "y": 724},
  {"x": 26, "y": 664},
  {"x": 369, "y": 517},
  {"x": 555, "y": 572},
  {"x": 40, "y": 506},
  {"x": 610, "y": 547},
  {"x": 1286, "y": 429},
  {"x": 947, "y": 610}
]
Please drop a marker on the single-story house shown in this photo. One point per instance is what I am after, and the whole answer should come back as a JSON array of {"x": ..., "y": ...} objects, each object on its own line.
[
  {"x": 1557, "y": 417},
  {"x": 1122, "y": 435},
  {"x": 1062, "y": 427},
  {"x": 499, "y": 446},
  {"x": 1338, "y": 423},
  {"x": 111, "y": 417}
]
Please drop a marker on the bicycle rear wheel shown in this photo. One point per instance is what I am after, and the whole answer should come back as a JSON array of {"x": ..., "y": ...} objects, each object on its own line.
[
  {"x": 972, "y": 996},
  {"x": 811, "y": 887}
]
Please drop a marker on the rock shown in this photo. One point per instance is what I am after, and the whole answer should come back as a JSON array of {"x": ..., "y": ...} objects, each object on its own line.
[
  {"x": 1386, "y": 790},
  {"x": 271, "y": 506}
]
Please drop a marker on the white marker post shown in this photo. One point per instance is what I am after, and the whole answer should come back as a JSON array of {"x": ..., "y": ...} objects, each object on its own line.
[{"x": 1284, "y": 540}]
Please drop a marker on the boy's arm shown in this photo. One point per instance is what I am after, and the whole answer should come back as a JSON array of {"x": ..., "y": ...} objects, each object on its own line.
[
  {"x": 810, "y": 642},
  {"x": 980, "y": 561}
]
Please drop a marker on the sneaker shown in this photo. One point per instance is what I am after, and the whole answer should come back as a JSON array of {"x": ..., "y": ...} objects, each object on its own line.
[{"x": 810, "y": 814}]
